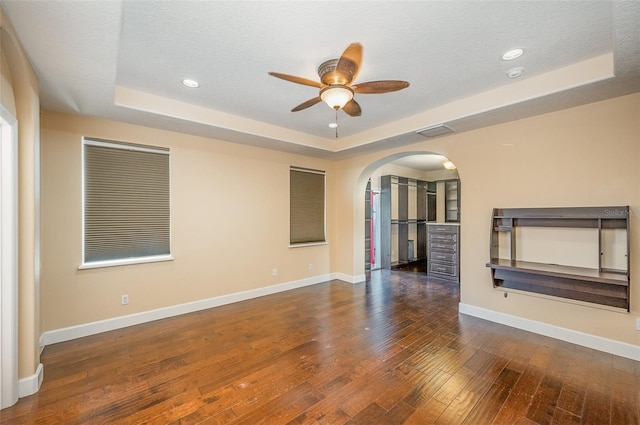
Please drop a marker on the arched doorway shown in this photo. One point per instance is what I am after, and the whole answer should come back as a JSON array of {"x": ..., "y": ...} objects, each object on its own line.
[{"x": 405, "y": 195}]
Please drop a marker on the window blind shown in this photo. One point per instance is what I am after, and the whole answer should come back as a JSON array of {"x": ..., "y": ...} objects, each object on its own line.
[
  {"x": 307, "y": 206},
  {"x": 126, "y": 201}
]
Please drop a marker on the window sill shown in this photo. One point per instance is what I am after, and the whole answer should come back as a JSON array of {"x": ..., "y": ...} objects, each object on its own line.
[
  {"x": 300, "y": 245},
  {"x": 125, "y": 262}
]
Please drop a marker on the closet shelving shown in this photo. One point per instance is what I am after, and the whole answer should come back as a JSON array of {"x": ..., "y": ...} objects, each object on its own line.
[{"x": 406, "y": 205}]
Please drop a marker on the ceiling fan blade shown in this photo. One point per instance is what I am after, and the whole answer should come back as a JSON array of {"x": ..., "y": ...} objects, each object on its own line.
[
  {"x": 384, "y": 86},
  {"x": 352, "y": 108},
  {"x": 349, "y": 63},
  {"x": 298, "y": 80},
  {"x": 309, "y": 103}
]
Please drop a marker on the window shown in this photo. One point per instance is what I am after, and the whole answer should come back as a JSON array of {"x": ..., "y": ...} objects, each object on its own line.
[
  {"x": 306, "y": 207},
  {"x": 126, "y": 204}
]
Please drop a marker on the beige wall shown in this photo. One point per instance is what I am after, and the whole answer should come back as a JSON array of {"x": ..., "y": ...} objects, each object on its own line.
[
  {"x": 229, "y": 224},
  {"x": 22, "y": 99},
  {"x": 584, "y": 156}
]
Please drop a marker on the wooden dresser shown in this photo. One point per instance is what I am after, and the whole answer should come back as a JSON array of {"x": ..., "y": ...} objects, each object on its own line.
[{"x": 443, "y": 252}]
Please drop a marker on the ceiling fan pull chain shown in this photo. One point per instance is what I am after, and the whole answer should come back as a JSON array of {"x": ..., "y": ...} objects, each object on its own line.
[{"x": 336, "y": 123}]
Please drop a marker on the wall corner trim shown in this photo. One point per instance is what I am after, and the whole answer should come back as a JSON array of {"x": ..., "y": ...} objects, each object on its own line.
[
  {"x": 606, "y": 345},
  {"x": 31, "y": 384},
  {"x": 86, "y": 329}
]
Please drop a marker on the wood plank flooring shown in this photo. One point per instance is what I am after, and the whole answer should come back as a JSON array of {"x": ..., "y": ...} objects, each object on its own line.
[{"x": 391, "y": 351}]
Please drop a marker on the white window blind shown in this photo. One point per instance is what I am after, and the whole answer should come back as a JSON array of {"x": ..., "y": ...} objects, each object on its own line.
[
  {"x": 126, "y": 206},
  {"x": 307, "y": 206}
]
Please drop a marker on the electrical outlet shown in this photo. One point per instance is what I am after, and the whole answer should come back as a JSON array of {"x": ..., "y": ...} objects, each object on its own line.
[
  {"x": 638, "y": 324},
  {"x": 310, "y": 266},
  {"x": 125, "y": 299},
  {"x": 274, "y": 272}
]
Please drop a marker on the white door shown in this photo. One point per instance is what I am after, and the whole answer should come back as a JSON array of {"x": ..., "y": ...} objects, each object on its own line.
[{"x": 8, "y": 259}]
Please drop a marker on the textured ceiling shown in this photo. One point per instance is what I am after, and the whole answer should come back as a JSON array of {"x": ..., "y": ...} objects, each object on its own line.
[{"x": 125, "y": 60}]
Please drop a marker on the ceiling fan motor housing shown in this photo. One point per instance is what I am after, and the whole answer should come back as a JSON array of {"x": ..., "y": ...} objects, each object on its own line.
[{"x": 330, "y": 76}]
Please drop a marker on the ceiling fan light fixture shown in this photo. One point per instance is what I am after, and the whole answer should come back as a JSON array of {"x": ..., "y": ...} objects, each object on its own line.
[{"x": 336, "y": 96}]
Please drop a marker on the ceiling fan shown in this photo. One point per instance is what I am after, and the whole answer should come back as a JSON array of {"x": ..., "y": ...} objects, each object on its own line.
[{"x": 336, "y": 88}]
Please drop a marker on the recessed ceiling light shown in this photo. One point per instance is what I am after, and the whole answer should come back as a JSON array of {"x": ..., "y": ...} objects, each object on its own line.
[
  {"x": 512, "y": 54},
  {"x": 449, "y": 165},
  {"x": 190, "y": 83},
  {"x": 515, "y": 72},
  {"x": 332, "y": 125}
]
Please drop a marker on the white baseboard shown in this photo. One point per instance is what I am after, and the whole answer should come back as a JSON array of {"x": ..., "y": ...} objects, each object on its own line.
[
  {"x": 79, "y": 331},
  {"x": 618, "y": 348},
  {"x": 348, "y": 278},
  {"x": 31, "y": 384}
]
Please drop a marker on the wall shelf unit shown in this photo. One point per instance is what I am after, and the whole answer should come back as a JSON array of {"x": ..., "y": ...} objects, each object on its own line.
[{"x": 605, "y": 281}]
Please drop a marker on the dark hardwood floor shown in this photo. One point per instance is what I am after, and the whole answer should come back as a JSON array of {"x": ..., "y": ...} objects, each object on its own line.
[{"x": 391, "y": 351}]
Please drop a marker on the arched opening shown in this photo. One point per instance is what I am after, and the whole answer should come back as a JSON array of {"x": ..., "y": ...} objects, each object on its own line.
[
  {"x": 407, "y": 197},
  {"x": 9, "y": 260}
]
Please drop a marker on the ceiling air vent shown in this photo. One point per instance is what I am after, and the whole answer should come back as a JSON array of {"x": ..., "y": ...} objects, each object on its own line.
[{"x": 435, "y": 131}]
